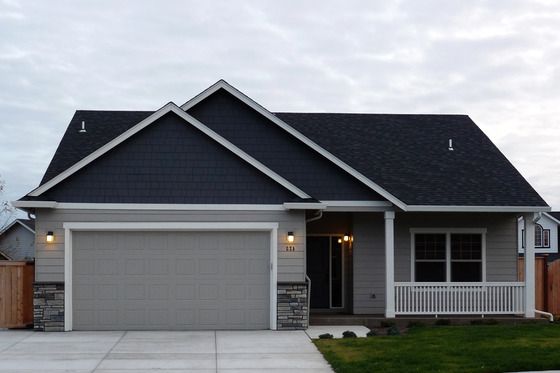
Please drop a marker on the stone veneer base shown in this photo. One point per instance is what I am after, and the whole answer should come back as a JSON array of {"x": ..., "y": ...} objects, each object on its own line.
[
  {"x": 292, "y": 311},
  {"x": 48, "y": 306}
]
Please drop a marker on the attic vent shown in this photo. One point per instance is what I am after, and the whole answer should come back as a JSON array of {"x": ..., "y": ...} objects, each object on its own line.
[
  {"x": 83, "y": 130},
  {"x": 451, "y": 145}
]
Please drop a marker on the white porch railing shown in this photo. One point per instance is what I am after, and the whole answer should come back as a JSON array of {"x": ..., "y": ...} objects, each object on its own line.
[{"x": 459, "y": 298}]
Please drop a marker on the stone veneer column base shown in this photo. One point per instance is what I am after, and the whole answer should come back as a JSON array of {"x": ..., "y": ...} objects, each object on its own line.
[
  {"x": 292, "y": 310},
  {"x": 48, "y": 306}
]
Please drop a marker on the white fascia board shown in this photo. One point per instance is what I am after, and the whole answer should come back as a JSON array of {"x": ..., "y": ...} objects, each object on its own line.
[
  {"x": 164, "y": 207},
  {"x": 154, "y": 206},
  {"x": 292, "y": 131},
  {"x": 357, "y": 203},
  {"x": 436, "y": 208},
  {"x": 170, "y": 107},
  {"x": 552, "y": 218},
  {"x": 34, "y": 204},
  {"x": 304, "y": 206},
  {"x": 170, "y": 226}
]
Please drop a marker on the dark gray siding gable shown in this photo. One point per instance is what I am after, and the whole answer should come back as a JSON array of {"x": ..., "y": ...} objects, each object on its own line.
[
  {"x": 278, "y": 150},
  {"x": 169, "y": 162}
]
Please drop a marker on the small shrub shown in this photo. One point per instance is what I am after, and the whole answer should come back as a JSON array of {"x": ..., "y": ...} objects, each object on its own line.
[
  {"x": 326, "y": 336},
  {"x": 442, "y": 322},
  {"x": 371, "y": 333},
  {"x": 415, "y": 324},
  {"x": 349, "y": 334},
  {"x": 387, "y": 323},
  {"x": 393, "y": 330},
  {"x": 477, "y": 322}
]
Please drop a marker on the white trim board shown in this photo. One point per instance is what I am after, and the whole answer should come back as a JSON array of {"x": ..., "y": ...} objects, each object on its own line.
[
  {"x": 552, "y": 218},
  {"x": 14, "y": 223},
  {"x": 169, "y": 226},
  {"x": 222, "y": 84},
  {"x": 456, "y": 208},
  {"x": 151, "y": 206},
  {"x": 169, "y": 108}
]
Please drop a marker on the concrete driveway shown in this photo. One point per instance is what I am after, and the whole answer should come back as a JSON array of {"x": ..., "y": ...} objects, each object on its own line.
[{"x": 109, "y": 352}]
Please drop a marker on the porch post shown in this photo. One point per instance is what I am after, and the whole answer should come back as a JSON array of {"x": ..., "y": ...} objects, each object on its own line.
[
  {"x": 529, "y": 265},
  {"x": 389, "y": 264}
]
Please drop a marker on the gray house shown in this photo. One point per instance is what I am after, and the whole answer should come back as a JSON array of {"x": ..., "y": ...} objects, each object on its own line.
[
  {"x": 219, "y": 214},
  {"x": 17, "y": 240}
]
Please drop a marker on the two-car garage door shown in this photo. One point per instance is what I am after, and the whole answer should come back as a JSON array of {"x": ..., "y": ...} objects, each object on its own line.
[{"x": 175, "y": 280}]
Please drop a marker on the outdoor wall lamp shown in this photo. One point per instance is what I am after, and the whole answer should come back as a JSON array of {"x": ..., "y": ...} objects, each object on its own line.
[
  {"x": 291, "y": 237},
  {"x": 346, "y": 237},
  {"x": 50, "y": 236}
]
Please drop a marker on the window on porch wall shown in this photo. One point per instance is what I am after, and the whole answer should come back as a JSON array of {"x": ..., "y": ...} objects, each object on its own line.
[{"x": 442, "y": 257}]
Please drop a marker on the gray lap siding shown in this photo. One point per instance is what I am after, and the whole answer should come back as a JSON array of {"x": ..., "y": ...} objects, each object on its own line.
[
  {"x": 369, "y": 250},
  {"x": 49, "y": 265}
]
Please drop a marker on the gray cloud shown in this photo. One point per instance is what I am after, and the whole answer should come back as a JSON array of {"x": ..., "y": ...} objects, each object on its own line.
[{"x": 494, "y": 60}]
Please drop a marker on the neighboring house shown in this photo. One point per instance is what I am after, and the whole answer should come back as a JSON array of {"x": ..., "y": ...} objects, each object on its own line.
[
  {"x": 217, "y": 213},
  {"x": 546, "y": 234},
  {"x": 17, "y": 240}
]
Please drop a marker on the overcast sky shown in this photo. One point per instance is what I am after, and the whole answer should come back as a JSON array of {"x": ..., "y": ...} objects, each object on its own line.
[{"x": 497, "y": 61}]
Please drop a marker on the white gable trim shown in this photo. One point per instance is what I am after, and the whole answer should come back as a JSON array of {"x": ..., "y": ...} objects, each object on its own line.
[
  {"x": 168, "y": 108},
  {"x": 552, "y": 218},
  {"x": 222, "y": 84},
  {"x": 14, "y": 223}
]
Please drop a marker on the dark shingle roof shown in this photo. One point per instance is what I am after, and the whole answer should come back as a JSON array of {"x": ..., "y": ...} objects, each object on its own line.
[
  {"x": 405, "y": 154},
  {"x": 555, "y": 214},
  {"x": 101, "y": 127},
  {"x": 408, "y": 155}
]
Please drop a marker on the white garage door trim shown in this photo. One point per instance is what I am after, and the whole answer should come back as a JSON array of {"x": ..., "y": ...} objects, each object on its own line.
[{"x": 171, "y": 226}]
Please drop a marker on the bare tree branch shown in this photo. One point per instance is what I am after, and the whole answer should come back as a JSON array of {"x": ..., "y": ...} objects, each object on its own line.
[{"x": 7, "y": 211}]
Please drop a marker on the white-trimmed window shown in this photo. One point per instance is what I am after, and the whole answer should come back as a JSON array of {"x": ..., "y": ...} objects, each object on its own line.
[
  {"x": 448, "y": 255},
  {"x": 542, "y": 237}
]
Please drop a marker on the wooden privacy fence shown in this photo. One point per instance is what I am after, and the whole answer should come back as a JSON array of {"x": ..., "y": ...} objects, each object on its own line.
[
  {"x": 547, "y": 283},
  {"x": 16, "y": 294},
  {"x": 553, "y": 287}
]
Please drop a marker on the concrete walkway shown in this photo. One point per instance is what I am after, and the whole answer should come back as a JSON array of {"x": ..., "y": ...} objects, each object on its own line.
[{"x": 163, "y": 352}]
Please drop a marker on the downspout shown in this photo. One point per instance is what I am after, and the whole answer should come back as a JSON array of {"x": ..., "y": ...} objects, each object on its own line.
[
  {"x": 537, "y": 217},
  {"x": 550, "y": 316},
  {"x": 547, "y": 314},
  {"x": 317, "y": 216}
]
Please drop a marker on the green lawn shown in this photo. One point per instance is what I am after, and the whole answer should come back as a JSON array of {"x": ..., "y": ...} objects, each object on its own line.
[{"x": 482, "y": 348}]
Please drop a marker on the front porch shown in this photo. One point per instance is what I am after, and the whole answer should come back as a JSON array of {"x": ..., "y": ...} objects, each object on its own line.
[{"x": 405, "y": 265}]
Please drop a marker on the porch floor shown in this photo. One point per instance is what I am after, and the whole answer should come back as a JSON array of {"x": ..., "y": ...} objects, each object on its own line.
[{"x": 375, "y": 320}]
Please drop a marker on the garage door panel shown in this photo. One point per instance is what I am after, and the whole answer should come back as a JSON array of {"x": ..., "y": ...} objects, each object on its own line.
[{"x": 170, "y": 280}]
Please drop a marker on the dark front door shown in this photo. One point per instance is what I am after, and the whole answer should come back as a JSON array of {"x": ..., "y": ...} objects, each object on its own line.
[
  {"x": 324, "y": 268},
  {"x": 318, "y": 271}
]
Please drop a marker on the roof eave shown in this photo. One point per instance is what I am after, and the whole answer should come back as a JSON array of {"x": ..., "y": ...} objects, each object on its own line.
[{"x": 459, "y": 208}]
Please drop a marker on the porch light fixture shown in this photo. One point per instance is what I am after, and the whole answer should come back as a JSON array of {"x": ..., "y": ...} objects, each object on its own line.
[
  {"x": 346, "y": 237},
  {"x": 340, "y": 240},
  {"x": 290, "y": 237},
  {"x": 50, "y": 236}
]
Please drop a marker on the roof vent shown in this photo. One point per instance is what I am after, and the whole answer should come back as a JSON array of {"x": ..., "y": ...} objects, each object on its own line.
[
  {"x": 83, "y": 130},
  {"x": 451, "y": 145}
]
